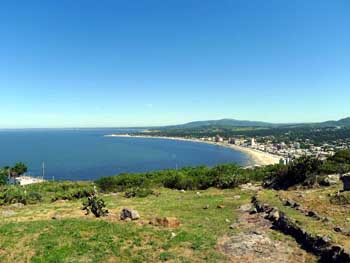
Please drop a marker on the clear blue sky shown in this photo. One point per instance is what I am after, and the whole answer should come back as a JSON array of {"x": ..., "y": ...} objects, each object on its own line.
[{"x": 81, "y": 63}]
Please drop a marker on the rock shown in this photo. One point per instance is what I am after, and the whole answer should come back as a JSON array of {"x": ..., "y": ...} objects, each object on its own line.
[
  {"x": 17, "y": 205},
  {"x": 170, "y": 222},
  {"x": 220, "y": 206},
  {"x": 182, "y": 191},
  {"x": 313, "y": 215},
  {"x": 327, "y": 219},
  {"x": 237, "y": 197},
  {"x": 253, "y": 211},
  {"x": 56, "y": 217},
  {"x": 274, "y": 214},
  {"x": 337, "y": 229},
  {"x": 206, "y": 207},
  {"x": 129, "y": 213},
  {"x": 173, "y": 235},
  {"x": 291, "y": 203},
  {"x": 245, "y": 207},
  {"x": 330, "y": 179},
  {"x": 198, "y": 194},
  {"x": 227, "y": 220},
  {"x": 345, "y": 178},
  {"x": 233, "y": 226},
  {"x": 8, "y": 213}
]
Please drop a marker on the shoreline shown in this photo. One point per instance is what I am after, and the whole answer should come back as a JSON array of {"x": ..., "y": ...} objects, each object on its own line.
[{"x": 256, "y": 157}]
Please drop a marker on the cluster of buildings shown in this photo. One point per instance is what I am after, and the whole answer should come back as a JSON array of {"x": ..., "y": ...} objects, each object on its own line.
[{"x": 287, "y": 151}]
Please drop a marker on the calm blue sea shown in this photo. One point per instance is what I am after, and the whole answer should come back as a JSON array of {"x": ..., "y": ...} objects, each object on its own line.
[{"x": 85, "y": 154}]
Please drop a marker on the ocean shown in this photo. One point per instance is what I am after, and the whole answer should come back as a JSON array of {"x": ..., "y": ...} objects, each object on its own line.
[{"x": 86, "y": 154}]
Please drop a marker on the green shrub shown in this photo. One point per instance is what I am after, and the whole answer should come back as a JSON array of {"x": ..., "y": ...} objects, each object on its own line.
[
  {"x": 17, "y": 194},
  {"x": 95, "y": 206},
  {"x": 138, "y": 192},
  {"x": 340, "y": 199}
]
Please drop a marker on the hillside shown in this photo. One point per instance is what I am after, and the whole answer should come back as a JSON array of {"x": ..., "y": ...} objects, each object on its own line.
[{"x": 246, "y": 123}]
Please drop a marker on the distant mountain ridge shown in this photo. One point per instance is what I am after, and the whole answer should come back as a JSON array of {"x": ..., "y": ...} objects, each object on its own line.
[
  {"x": 345, "y": 122},
  {"x": 226, "y": 122}
]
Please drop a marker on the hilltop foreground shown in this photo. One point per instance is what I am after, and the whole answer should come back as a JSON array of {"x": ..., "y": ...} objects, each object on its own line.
[
  {"x": 280, "y": 213},
  {"x": 215, "y": 226}
]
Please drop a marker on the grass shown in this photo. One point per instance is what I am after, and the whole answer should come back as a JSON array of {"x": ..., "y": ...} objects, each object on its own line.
[{"x": 32, "y": 236}]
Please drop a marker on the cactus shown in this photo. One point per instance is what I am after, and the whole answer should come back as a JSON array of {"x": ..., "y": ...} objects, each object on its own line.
[{"x": 95, "y": 206}]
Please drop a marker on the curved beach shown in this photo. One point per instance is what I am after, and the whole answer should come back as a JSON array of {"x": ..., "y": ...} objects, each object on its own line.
[{"x": 257, "y": 157}]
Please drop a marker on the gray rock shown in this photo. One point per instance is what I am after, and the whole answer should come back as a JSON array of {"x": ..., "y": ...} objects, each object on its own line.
[
  {"x": 129, "y": 213},
  {"x": 206, "y": 207},
  {"x": 56, "y": 217},
  {"x": 8, "y": 213},
  {"x": 245, "y": 207},
  {"x": 345, "y": 178},
  {"x": 17, "y": 205}
]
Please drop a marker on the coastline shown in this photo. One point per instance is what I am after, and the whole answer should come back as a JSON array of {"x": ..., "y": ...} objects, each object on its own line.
[{"x": 257, "y": 157}]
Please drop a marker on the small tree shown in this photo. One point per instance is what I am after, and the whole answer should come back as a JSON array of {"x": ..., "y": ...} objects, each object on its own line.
[
  {"x": 19, "y": 169},
  {"x": 95, "y": 206}
]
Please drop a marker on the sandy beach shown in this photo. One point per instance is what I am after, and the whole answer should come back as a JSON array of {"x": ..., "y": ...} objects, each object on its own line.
[{"x": 257, "y": 157}]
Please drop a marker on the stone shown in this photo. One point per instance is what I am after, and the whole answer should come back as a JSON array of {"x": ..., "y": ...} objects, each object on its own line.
[
  {"x": 170, "y": 222},
  {"x": 274, "y": 214},
  {"x": 129, "y": 213},
  {"x": 56, "y": 217},
  {"x": 233, "y": 226},
  {"x": 173, "y": 235},
  {"x": 313, "y": 215},
  {"x": 245, "y": 207},
  {"x": 330, "y": 179},
  {"x": 337, "y": 229},
  {"x": 17, "y": 205},
  {"x": 253, "y": 211},
  {"x": 206, "y": 207},
  {"x": 220, "y": 206},
  {"x": 182, "y": 191},
  {"x": 8, "y": 213},
  {"x": 198, "y": 194},
  {"x": 345, "y": 178},
  {"x": 237, "y": 197},
  {"x": 227, "y": 220}
]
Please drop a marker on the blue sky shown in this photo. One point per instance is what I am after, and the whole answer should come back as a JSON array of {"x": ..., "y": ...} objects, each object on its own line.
[{"x": 88, "y": 63}]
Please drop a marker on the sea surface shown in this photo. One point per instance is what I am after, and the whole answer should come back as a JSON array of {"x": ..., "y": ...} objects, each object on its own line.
[{"x": 86, "y": 154}]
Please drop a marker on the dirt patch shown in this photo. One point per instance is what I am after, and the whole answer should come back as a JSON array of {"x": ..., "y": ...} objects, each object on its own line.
[{"x": 257, "y": 242}]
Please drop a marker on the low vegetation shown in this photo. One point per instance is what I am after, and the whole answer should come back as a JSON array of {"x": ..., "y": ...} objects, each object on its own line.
[
  {"x": 96, "y": 206},
  {"x": 45, "y": 192}
]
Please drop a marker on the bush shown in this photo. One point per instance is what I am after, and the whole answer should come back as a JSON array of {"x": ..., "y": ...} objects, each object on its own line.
[
  {"x": 138, "y": 192},
  {"x": 340, "y": 199},
  {"x": 16, "y": 194},
  {"x": 95, "y": 206}
]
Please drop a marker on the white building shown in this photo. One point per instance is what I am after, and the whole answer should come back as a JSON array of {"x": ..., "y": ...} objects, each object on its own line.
[{"x": 24, "y": 180}]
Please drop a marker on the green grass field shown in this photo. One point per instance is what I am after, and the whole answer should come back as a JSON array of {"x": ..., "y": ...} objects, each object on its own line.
[{"x": 31, "y": 235}]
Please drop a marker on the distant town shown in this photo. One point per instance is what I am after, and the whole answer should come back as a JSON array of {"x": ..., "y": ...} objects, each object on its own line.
[{"x": 287, "y": 151}]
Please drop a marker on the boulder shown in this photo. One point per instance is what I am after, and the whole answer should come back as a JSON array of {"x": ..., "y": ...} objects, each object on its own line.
[
  {"x": 206, "y": 207},
  {"x": 220, "y": 206},
  {"x": 7, "y": 213},
  {"x": 17, "y": 205},
  {"x": 245, "y": 207},
  {"x": 330, "y": 179},
  {"x": 346, "y": 181},
  {"x": 129, "y": 213},
  {"x": 56, "y": 217}
]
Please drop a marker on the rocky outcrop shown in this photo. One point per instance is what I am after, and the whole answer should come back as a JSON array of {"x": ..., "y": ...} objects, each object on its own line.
[{"x": 319, "y": 245}]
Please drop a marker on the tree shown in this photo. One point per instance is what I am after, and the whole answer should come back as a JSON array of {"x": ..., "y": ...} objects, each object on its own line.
[{"x": 19, "y": 169}]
